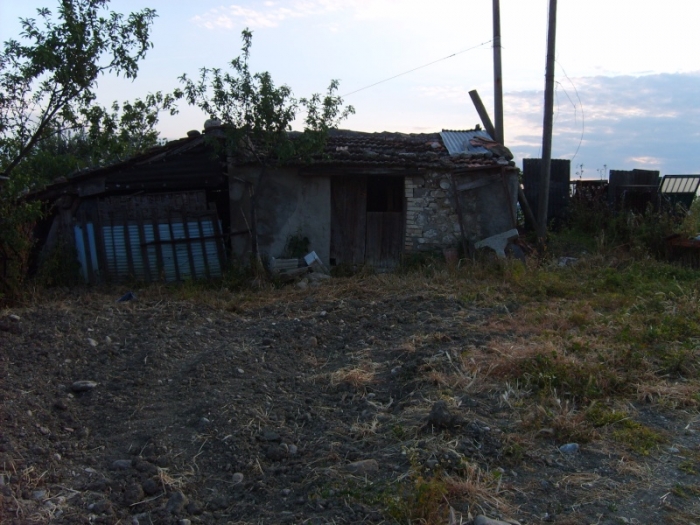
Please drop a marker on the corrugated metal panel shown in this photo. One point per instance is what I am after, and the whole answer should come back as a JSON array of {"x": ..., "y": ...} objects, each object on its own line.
[
  {"x": 680, "y": 189},
  {"x": 457, "y": 142},
  {"x": 185, "y": 250},
  {"x": 85, "y": 251}
]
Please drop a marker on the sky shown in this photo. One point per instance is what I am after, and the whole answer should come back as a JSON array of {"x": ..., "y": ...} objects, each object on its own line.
[{"x": 627, "y": 74}]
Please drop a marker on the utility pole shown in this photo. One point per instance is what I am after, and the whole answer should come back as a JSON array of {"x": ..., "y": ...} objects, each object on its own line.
[
  {"x": 497, "y": 73},
  {"x": 547, "y": 125}
]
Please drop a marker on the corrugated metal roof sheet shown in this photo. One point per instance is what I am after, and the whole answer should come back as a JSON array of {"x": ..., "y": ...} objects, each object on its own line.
[{"x": 457, "y": 142}]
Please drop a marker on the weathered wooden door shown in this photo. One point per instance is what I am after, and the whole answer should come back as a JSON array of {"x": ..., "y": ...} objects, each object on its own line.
[
  {"x": 348, "y": 220},
  {"x": 367, "y": 220},
  {"x": 384, "y": 239}
]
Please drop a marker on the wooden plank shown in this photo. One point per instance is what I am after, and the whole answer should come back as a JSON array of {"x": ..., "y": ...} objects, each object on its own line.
[
  {"x": 172, "y": 237},
  {"x": 348, "y": 219},
  {"x": 159, "y": 249},
  {"x": 144, "y": 250},
  {"x": 384, "y": 238},
  {"x": 219, "y": 242},
  {"x": 203, "y": 244},
  {"x": 190, "y": 255},
  {"x": 478, "y": 183},
  {"x": 99, "y": 244},
  {"x": 113, "y": 263},
  {"x": 127, "y": 246},
  {"x": 239, "y": 209}
]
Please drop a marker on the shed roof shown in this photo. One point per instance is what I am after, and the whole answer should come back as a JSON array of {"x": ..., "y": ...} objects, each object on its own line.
[
  {"x": 351, "y": 149},
  {"x": 409, "y": 150}
]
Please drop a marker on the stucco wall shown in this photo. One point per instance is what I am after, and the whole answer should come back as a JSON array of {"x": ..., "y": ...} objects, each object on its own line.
[{"x": 290, "y": 205}]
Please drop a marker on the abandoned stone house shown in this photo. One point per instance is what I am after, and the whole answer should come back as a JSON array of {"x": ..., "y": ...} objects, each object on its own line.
[{"x": 181, "y": 211}]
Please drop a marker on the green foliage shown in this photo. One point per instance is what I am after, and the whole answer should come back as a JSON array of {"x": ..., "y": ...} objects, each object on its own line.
[
  {"x": 579, "y": 381},
  {"x": 297, "y": 246},
  {"x": 425, "y": 501},
  {"x": 638, "y": 437},
  {"x": 60, "y": 267},
  {"x": 594, "y": 226},
  {"x": 258, "y": 114},
  {"x": 48, "y": 80},
  {"x": 16, "y": 225},
  {"x": 50, "y": 125}
]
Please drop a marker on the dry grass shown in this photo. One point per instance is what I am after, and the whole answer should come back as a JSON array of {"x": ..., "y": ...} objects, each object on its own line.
[{"x": 359, "y": 377}]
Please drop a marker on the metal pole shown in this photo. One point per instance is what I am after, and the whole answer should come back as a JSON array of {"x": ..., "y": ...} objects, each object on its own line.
[
  {"x": 497, "y": 73},
  {"x": 547, "y": 125}
]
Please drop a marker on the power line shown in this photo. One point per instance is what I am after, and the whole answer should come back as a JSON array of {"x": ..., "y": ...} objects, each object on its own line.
[
  {"x": 417, "y": 68},
  {"x": 583, "y": 116}
]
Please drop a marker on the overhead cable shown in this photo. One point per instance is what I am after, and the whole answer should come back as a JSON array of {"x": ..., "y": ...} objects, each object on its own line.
[{"x": 417, "y": 68}]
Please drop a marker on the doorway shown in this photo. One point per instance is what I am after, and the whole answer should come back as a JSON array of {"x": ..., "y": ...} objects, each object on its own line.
[{"x": 367, "y": 220}]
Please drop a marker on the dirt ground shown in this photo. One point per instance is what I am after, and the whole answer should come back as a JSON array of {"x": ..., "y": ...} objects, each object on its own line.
[{"x": 298, "y": 406}]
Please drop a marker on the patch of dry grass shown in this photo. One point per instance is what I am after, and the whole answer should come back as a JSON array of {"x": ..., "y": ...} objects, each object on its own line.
[{"x": 359, "y": 377}]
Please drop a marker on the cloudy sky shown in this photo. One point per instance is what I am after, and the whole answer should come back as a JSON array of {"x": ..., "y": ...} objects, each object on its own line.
[{"x": 628, "y": 71}]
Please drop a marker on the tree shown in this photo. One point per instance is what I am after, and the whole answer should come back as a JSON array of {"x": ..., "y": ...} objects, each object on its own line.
[
  {"x": 48, "y": 81},
  {"x": 50, "y": 124},
  {"x": 257, "y": 116}
]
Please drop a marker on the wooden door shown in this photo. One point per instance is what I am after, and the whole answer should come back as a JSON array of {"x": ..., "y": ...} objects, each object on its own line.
[{"x": 348, "y": 220}]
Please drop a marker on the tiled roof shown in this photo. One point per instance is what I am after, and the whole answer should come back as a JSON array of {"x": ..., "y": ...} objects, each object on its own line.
[{"x": 402, "y": 150}]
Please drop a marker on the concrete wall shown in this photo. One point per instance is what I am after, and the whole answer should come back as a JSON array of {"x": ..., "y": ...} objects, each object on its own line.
[
  {"x": 288, "y": 205},
  {"x": 291, "y": 205}
]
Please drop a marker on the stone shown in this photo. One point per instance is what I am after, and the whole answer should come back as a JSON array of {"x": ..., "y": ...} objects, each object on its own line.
[
  {"x": 303, "y": 284},
  {"x": 316, "y": 277},
  {"x": 270, "y": 435},
  {"x": 362, "y": 467},
  {"x": 276, "y": 453},
  {"x": 121, "y": 464},
  {"x": 445, "y": 185},
  {"x": 150, "y": 487},
  {"x": 292, "y": 449},
  {"x": 202, "y": 424},
  {"x": 60, "y": 404},
  {"x": 83, "y": 386},
  {"x": 133, "y": 494},
  {"x": 237, "y": 478},
  {"x": 440, "y": 416},
  {"x": 498, "y": 242},
  {"x": 184, "y": 521},
  {"x": 569, "y": 448},
  {"x": 176, "y": 502}
]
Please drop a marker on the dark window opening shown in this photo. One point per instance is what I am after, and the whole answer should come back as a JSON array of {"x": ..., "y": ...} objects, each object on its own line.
[{"x": 385, "y": 194}]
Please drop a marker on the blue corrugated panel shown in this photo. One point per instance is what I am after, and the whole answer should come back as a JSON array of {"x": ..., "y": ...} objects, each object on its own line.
[
  {"x": 457, "y": 142},
  {"x": 83, "y": 250},
  {"x": 174, "y": 255}
]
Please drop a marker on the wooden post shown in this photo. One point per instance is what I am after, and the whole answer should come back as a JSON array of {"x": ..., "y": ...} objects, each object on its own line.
[
  {"x": 547, "y": 125},
  {"x": 483, "y": 114},
  {"x": 488, "y": 126},
  {"x": 497, "y": 74}
]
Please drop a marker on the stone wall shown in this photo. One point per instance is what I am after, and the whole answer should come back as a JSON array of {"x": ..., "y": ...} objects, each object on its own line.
[
  {"x": 432, "y": 222},
  {"x": 431, "y": 218}
]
